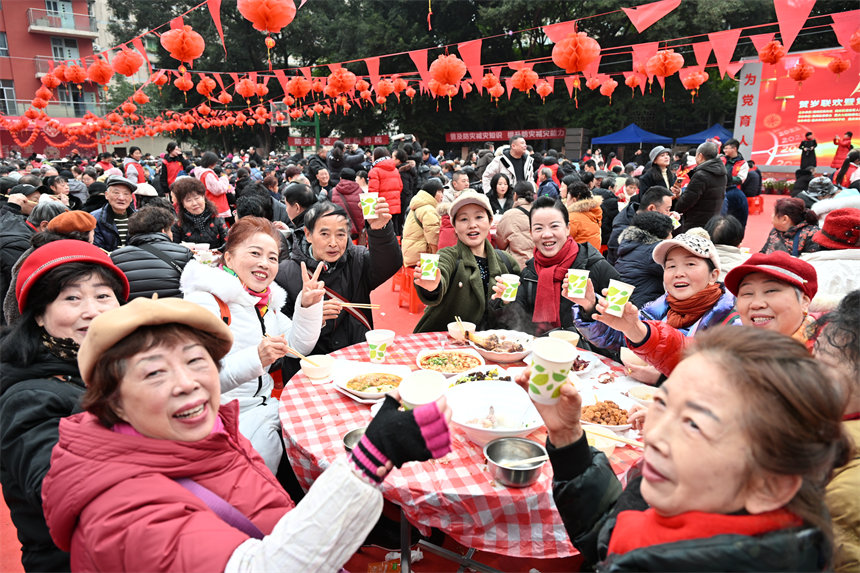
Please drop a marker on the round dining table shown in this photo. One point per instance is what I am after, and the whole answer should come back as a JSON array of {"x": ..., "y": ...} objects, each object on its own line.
[{"x": 455, "y": 494}]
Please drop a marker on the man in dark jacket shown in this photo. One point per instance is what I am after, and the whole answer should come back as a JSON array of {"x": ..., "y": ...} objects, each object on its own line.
[
  {"x": 703, "y": 196},
  {"x": 351, "y": 272},
  {"x": 316, "y": 162},
  {"x": 752, "y": 185},
  {"x": 656, "y": 198},
  {"x": 152, "y": 262},
  {"x": 112, "y": 219}
]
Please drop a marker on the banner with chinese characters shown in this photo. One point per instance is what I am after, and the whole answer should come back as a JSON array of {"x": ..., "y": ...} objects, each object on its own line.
[
  {"x": 504, "y": 135},
  {"x": 310, "y": 141},
  {"x": 782, "y": 110}
]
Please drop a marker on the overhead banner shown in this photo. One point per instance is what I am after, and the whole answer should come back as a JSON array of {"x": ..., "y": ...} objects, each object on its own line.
[
  {"x": 310, "y": 141},
  {"x": 505, "y": 135}
]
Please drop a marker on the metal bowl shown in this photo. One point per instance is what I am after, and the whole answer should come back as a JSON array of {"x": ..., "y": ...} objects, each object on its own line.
[
  {"x": 351, "y": 438},
  {"x": 502, "y": 455}
]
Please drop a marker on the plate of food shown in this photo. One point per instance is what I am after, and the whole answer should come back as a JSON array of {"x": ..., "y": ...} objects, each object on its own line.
[
  {"x": 449, "y": 362},
  {"x": 643, "y": 394},
  {"x": 583, "y": 363},
  {"x": 501, "y": 346},
  {"x": 488, "y": 409},
  {"x": 483, "y": 373},
  {"x": 607, "y": 414},
  {"x": 368, "y": 381}
]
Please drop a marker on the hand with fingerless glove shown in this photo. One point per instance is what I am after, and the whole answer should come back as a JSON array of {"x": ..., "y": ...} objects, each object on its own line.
[{"x": 401, "y": 437}]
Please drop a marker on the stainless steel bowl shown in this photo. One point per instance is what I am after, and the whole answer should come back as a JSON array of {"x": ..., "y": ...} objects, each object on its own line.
[
  {"x": 351, "y": 438},
  {"x": 502, "y": 455}
]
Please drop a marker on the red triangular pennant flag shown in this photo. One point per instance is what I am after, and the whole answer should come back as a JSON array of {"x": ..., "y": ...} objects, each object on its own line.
[
  {"x": 791, "y": 15},
  {"x": 733, "y": 68},
  {"x": 643, "y": 52},
  {"x": 645, "y": 15},
  {"x": 724, "y": 47},
  {"x": 419, "y": 57},
  {"x": 333, "y": 67},
  {"x": 470, "y": 53},
  {"x": 497, "y": 71},
  {"x": 177, "y": 22},
  {"x": 218, "y": 79},
  {"x": 844, "y": 25},
  {"x": 591, "y": 69},
  {"x": 509, "y": 84},
  {"x": 760, "y": 40},
  {"x": 234, "y": 76},
  {"x": 306, "y": 71},
  {"x": 373, "y": 70},
  {"x": 568, "y": 81},
  {"x": 215, "y": 11},
  {"x": 558, "y": 32},
  {"x": 138, "y": 45},
  {"x": 282, "y": 79},
  {"x": 702, "y": 50}
]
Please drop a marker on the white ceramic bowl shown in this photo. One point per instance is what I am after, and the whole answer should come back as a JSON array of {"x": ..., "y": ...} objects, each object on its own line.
[
  {"x": 422, "y": 387},
  {"x": 468, "y": 351},
  {"x": 514, "y": 411},
  {"x": 456, "y": 332},
  {"x": 643, "y": 394},
  {"x": 629, "y": 358},
  {"x": 322, "y": 371},
  {"x": 505, "y": 357}
]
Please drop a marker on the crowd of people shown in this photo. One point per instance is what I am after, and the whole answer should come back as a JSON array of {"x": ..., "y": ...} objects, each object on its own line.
[{"x": 147, "y": 303}]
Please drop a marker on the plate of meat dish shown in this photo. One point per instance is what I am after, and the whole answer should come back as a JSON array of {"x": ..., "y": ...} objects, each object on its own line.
[
  {"x": 502, "y": 346},
  {"x": 606, "y": 413}
]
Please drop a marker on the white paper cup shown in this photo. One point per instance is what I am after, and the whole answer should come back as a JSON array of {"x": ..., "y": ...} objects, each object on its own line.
[
  {"x": 422, "y": 387},
  {"x": 551, "y": 362},
  {"x": 378, "y": 342},
  {"x": 368, "y": 204},
  {"x": 617, "y": 296},
  {"x": 568, "y": 336},
  {"x": 429, "y": 266},
  {"x": 512, "y": 284},
  {"x": 577, "y": 282}
]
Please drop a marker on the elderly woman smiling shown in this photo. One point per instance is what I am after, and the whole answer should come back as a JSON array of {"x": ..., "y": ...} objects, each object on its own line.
[{"x": 155, "y": 475}]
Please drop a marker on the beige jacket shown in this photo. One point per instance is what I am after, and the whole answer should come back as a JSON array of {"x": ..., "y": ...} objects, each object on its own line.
[
  {"x": 513, "y": 234},
  {"x": 843, "y": 500},
  {"x": 420, "y": 228}
]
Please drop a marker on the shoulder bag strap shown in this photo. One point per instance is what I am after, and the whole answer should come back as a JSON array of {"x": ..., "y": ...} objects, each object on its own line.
[
  {"x": 353, "y": 312},
  {"x": 222, "y": 508},
  {"x": 795, "y": 245},
  {"x": 156, "y": 252},
  {"x": 225, "y": 310}
]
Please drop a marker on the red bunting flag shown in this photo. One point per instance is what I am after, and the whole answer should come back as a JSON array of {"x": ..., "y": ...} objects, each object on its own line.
[
  {"x": 733, "y": 68},
  {"x": 138, "y": 45},
  {"x": 470, "y": 53},
  {"x": 215, "y": 11},
  {"x": 643, "y": 52},
  {"x": 419, "y": 57},
  {"x": 791, "y": 15},
  {"x": 373, "y": 70},
  {"x": 702, "y": 50},
  {"x": 724, "y": 47},
  {"x": 844, "y": 25},
  {"x": 306, "y": 71},
  {"x": 558, "y": 32},
  {"x": 645, "y": 15},
  {"x": 761, "y": 40}
]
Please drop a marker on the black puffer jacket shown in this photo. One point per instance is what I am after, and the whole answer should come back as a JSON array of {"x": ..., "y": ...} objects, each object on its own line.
[
  {"x": 610, "y": 210},
  {"x": 652, "y": 177},
  {"x": 637, "y": 267},
  {"x": 147, "y": 273},
  {"x": 703, "y": 197},
  {"x": 589, "y": 498},
  {"x": 353, "y": 276},
  {"x": 32, "y": 403},
  {"x": 214, "y": 232},
  {"x": 14, "y": 240},
  {"x": 619, "y": 223}
]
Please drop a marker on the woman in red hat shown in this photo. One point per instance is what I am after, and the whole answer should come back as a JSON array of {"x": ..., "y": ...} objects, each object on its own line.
[
  {"x": 838, "y": 262},
  {"x": 61, "y": 288}
]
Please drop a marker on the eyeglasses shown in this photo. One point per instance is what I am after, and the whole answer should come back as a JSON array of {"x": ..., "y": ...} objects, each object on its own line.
[{"x": 121, "y": 192}]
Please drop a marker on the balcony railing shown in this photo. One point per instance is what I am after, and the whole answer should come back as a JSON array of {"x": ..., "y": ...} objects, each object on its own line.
[
  {"x": 54, "y": 109},
  {"x": 61, "y": 23}
]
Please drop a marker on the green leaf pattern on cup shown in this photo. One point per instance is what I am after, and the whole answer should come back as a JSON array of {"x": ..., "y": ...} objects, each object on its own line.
[
  {"x": 377, "y": 351},
  {"x": 368, "y": 205},
  {"x": 540, "y": 379},
  {"x": 510, "y": 291}
]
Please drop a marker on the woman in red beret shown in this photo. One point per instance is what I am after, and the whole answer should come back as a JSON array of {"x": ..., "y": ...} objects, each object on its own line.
[{"x": 838, "y": 262}]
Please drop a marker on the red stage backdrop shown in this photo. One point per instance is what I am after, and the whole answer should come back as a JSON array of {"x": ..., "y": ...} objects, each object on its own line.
[{"x": 777, "y": 111}]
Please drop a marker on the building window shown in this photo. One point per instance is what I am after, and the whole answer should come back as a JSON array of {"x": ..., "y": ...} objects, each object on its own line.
[
  {"x": 4, "y": 46},
  {"x": 7, "y": 97},
  {"x": 64, "y": 49}
]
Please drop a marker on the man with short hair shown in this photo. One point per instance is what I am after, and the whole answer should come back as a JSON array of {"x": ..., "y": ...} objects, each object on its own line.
[
  {"x": 112, "y": 219},
  {"x": 459, "y": 182},
  {"x": 485, "y": 157},
  {"x": 735, "y": 202},
  {"x": 703, "y": 196},
  {"x": 515, "y": 162},
  {"x": 656, "y": 198},
  {"x": 322, "y": 185},
  {"x": 131, "y": 167},
  {"x": 317, "y": 162},
  {"x": 546, "y": 186}
]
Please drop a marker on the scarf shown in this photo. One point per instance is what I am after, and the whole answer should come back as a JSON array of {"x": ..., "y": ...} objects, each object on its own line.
[
  {"x": 683, "y": 313},
  {"x": 62, "y": 348},
  {"x": 550, "y": 272},
  {"x": 199, "y": 222},
  {"x": 262, "y": 304},
  {"x": 637, "y": 529}
]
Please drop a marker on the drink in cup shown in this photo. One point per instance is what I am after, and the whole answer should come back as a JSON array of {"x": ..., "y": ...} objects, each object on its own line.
[
  {"x": 368, "y": 204},
  {"x": 568, "y": 336},
  {"x": 512, "y": 284},
  {"x": 551, "y": 362},
  {"x": 617, "y": 296},
  {"x": 378, "y": 342},
  {"x": 577, "y": 282},
  {"x": 422, "y": 387},
  {"x": 429, "y": 266}
]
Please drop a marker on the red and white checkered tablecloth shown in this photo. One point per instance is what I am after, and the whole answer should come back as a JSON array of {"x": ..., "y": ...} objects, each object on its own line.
[{"x": 454, "y": 494}]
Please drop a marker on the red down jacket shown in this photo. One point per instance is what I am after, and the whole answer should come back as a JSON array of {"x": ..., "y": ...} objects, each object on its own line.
[
  {"x": 663, "y": 347},
  {"x": 384, "y": 178},
  {"x": 111, "y": 499}
]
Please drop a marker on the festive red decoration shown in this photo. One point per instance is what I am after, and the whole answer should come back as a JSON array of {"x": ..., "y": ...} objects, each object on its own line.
[
  {"x": 140, "y": 98},
  {"x": 524, "y": 79},
  {"x": 489, "y": 80},
  {"x": 664, "y": 63},
  {"x": 32, "y": 114},
  {"x": 159, "y": 78},
  {"x": 261, "y": 90},
  {"x": 246, "y": 88},
  {"x": 607, "y": 88},
  {"x": 592, "y": 83},
  {"x": 204, "y": 109},
  {"x": 448, "y": 70},
  {"x": 289, "y": 100},
  {"x": 341, "y": 81},
  {"x": 183, "y": 44},
  {"x": 366, "y": 95},
  {"x": 39, "y": 103},
  {"x": 837, "y": 65},
  {"x": 128, "y": 107},
  {"x": 268, "y": 16},
  {"x": 575, "y": 52},
  {"x": 410, "y": 92},
  {"x": 693, "y": 82},
  {"x": 854, "y": 42},
  {"x": 772, "y": 52},
  {"x": 205, "y": 86},
  {"x": 298, "y": 87},
  {"x": 362, "y": 85},
  {"x": 467, "y": 88},
  {"x": 270, "y": 42},
  {"x": 60, "y": 72},
  {"x": 184, "y": 83},
  {"x": 50, "y": 81},
  {"x": 544, "y": 88},
  {"x": 384, "y": 88},
  {"x": 632, "y": 82},
  {"x": 497, "y": 91},
  {"x": 800, "y": 72},
  {"x": 44, "y": 93},
  {"x": 127, "y": 62},
  {"x": 399, "y": 85},
  {"x": 318, "y": 86},
  {"x": 76, "y": 74}
]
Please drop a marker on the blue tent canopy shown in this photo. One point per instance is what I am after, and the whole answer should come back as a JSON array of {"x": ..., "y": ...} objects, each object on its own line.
[
  {"x": 715, "y": 130},
  {"x": 631, "y": 134}
]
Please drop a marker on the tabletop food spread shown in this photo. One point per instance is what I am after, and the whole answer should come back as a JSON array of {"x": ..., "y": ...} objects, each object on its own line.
[{"x": 456, "y": 493}]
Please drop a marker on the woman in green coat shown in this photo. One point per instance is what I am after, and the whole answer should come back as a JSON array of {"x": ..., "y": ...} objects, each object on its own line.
[{"x": 467, "y": 271}]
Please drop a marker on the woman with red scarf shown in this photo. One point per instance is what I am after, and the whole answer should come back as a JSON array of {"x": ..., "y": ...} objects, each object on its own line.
[{"x": 540, "y": 306}]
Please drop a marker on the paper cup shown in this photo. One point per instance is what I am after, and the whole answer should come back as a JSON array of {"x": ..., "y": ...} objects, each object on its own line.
[
  {"x": 368, "y": 204},
  {"x": 577, "y": 282},
  {"x": 512, "y": 284},
  {"x": 568, "y": 336},
  {"x": 378, "y": 342},
  {"x": 422, "y": 387},
  {"x": 551, "y": 361},
  {"x": 745, "y": 251},
  {"x": 429, "y": 266},
  {"x": 617, "y": 296}
]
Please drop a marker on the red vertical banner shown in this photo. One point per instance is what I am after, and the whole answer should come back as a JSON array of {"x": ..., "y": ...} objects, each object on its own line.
[
  {"x": 470, "y": 53},
  {"x": 215, "y": 11},
  {"x": 724, "y": 47},
  {"x": 791, "y": 15}
]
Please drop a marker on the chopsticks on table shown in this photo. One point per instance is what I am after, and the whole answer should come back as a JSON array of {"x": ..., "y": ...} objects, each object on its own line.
[
  {"x": 614, "y": 436},
  {"x": 359, "y": 305}
]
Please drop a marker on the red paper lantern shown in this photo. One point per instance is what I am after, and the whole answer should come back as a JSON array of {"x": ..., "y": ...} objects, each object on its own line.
[
  {"x": 399, "y": 85},
  {"x": 159, "y": 78},
  {"x": 296, "y": 113},
  {"x": 632, "y": 82},
  {"x": 410, "y": 92},
  {"x": 205, "y": 86},
  {"x": 544, "y": 89},
  {"x": 592, "y": 83},
  {"x": 44, "y": 93},
  {"x": 39, "y": 103},
  {"x": 183, "y": 44},
  {"x": 489, "y": 80},
  {"x": 204, "y": 109},
  {"x": 384, "y": 88},
  {"x": 362, "y": 85},
  {"x": 607, "y": 88},
  {"x": 32, "y": 114},
  {"x": 854, "y": 42},
  {"x": 366, "y": 95},
  {"x": 76, "y": 74},
  {"x": 127, "y": 62},
  {"x": 693, "y": 82},
  {"x": 575, "y": 52},
  {"x": 524, "y": 79},
  {"x": 50, "y": 81},
  {"x": 140, "y": 98},
  {"x": 467, "y": 88},
  {"x": 225, "y": 98},
  {"x": 341, "y": 81},
  {"x": 497, "y": 91},
  {"x": 837, "y": 65},
  {"x": 772, "y": 52},
  {"x": 268, "y": 16},
  {"x": 381, "y": 100},
  {"x": 298, "y": 87},
  {"x": 184, "y": 82},
  {"x": 448, "y": 70},
  {"x": 318, "y": 86},
  {"x": 128, "y": 107},
  {"x": 800, "y": 72},
  {"x": 664, "y": 63},
  {"x": 246, "y": 88},
  {"x": 261, "y": 90}
]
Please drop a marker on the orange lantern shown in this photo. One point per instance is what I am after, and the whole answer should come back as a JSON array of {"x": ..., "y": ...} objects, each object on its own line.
[
  {"x": 489, "y": 80},
  {"x": 575, "y": 52},
  {"x": 76, "y": 75},
  {"x": 44, "y": 93},
  {"x": 50, "y": 81},
  {"x": 365, "y": 95},
  {"x": 261, "y": 90},
  {"x": 289, "y": 100},
  {"x": 854, "y": 42},
  {"x": 384, "y": 88},
  {"x": 32, "y": 114},
  {"x": 204, "y": 109},
  {"x": 693, "y": 81},
  {"x": 183, "y": 44},
  {"x": 772, "y": 52},
  {"x": 837, "y": 65},
  {"x": 60, "y": 72},
  {"x": 296, "y": 113},
  {"x": 524, "y": 79},
  {"x": 497, "y": 91},
  {"x": 632, "y": 82},
  {"x": 592, "y": 83},
  {"x": 269, "y": 16},
  {"x": 341, "y": 81},
  {"x": 607, "y": 88},
  {"x": 410, "y": 92},
  {"x": 544, "y": 89},
  {"x": 225, "y": 98},
  {"x": 318, "y": 86},
  {"x": 159, "y": 78},
  {"x": 298, "y": 87},
  {"x": 205, "y": 86},
  {"x": 39, "y": 103},
  {"x": 800, "y": 72},
  {"x": 399, "y": 85},
  {"x": 381, "y": 100},
  {"x": 362, "y": 85},
  {"x": 128, "y": 107},
  {"x": 663, "y": 64},
  {"x": 140, "y": 98},
  {"x": 448, "y": 70},
  {"x": 184, "y": 83},
  {"x": 127, "y": 62},
  {"x": 467, "y": 88},
  {"x": 246, "y": 88}
]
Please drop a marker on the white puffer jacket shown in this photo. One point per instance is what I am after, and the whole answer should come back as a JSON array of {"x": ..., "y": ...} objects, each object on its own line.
[
  {"x": 838, "y": 274},
  {"x": 243, "y": 377}
]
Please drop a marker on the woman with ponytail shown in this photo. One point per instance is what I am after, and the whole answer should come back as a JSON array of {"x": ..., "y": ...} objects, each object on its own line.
[{"x": 793, "y": 228}]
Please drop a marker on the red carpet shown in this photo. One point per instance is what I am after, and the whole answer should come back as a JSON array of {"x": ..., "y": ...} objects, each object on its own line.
[{"x": 390, "y": 315}]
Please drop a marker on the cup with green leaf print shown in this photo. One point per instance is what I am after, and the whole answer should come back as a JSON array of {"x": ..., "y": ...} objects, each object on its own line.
[
  {"x": 617, "y": 296},
  {"x": 511, "y": 284},
  {"x": 429, "y": 266},
  {"x": 577, "y": 283},
  {"x": 368, "y": 204},
  {"x": 379, "y": 342},
  {"x": 550, "y": 365}
]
